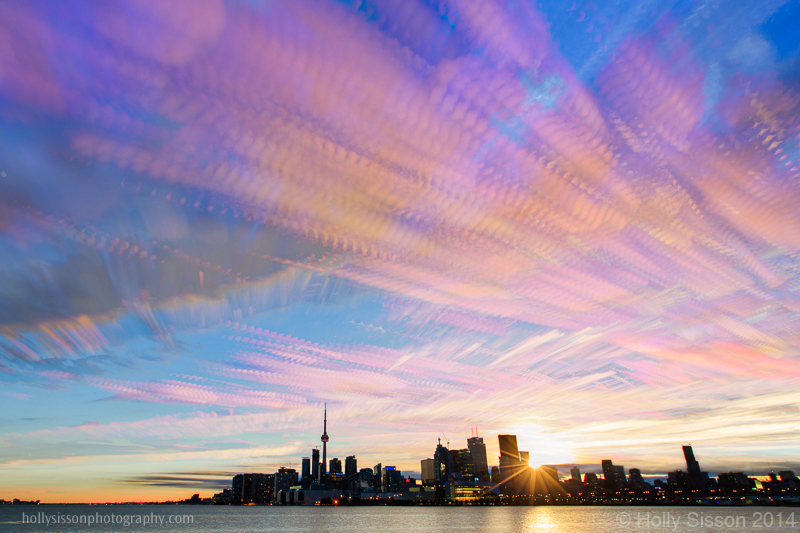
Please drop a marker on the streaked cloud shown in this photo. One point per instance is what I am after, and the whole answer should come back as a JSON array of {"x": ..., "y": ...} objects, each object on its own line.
[{"x": 215, "y": 217}]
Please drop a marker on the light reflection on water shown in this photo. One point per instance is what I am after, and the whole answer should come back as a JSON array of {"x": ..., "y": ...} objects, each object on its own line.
[{"x": 415, "y": 519}]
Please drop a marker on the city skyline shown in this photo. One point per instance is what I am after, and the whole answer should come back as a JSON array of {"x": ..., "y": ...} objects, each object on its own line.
[
  {"x": 466, "y": 476},
  {"x": 574, "y": 223},
  {"x": 499, "y": 473},
  {"x": 481, "y": 462}
]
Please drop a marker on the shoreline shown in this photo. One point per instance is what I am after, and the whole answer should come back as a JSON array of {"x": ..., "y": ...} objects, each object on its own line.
[{"x": 417, "y": 504}]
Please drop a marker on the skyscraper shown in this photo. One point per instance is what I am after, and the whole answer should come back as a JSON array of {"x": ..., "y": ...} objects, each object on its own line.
[
  {"x": 336, "y": 466},
  {"x": 697, "y": 479},
  {"x": 575, "y": 473},
  {"x": 315, "y": 464},
  {"x": 478, "y": 451},
  {"x": 324, "y": 440},
  {"x": 509, "y": 453},
  {"x": 510, "y": 464},
  {"x": 306, "y": 469},
  {"x": 366, "y": 476},
  {"x": 613, "y": 476},
  {"x": 428, "y": 468},
  {"x": 619, "y": 472},
  {"x": 691, "y": 463},
  {"x": 350, "y": 466},
  {"x": 442, "y": 464},
  {"x": 241, "y": 487},
  {"x": 465, "y": 465},
  {"x": 453, "y": 457},
  {"x": 392, "y": 479}
]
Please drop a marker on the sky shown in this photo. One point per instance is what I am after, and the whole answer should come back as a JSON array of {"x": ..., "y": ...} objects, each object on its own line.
[{"x": 573, "y": 221}]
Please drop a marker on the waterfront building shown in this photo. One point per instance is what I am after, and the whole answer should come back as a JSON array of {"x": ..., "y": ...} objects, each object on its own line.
[
  {"x": 619, "y": 475},
  {"x": 509, "y": 452},
  {"x": 241, "y": 487},
  {"x": 315, "y": 464},
  {"x": 283, "y": 479},
  {"x": 524, "y": 457},
  {"x": 442, "y": 464},
  {"x": 377, "y": 476},
  {"x": 337, "y": 481},
  {"x": 428, "y": 467},
  {"x": 350, "y": 466},
  {"x": 511, "y": 467},
  {"x": 314, "y": 495},
  {"x": 495, "y": 475},
  {"x": 613, "y": 475},
  {"x": 480, "y": 464},
  {"x": 251, "y": 488},
  {"x": 678, "y": 478},
  {"x": 635, "y": 479},
  {"x": 461, "y": 464},
  {"x": 697, "y": 479},
  {"x": 392, "y": 479},
  {"x": 738, "y": 481},
  {"x": 365, "y": 477}
]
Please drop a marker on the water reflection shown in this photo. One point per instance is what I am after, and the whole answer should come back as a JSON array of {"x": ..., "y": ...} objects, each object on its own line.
[{"x": 423, "y": 519}]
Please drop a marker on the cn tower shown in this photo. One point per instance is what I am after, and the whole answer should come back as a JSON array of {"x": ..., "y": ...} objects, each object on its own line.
[{"x": 324, "y": 440}]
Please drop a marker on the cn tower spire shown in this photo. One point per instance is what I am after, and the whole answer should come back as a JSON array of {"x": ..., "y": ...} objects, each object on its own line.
[{"x": 324, "y": 468}]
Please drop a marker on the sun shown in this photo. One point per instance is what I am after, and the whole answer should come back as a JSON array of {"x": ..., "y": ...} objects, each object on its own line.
[{"x": 544, "y": 446}]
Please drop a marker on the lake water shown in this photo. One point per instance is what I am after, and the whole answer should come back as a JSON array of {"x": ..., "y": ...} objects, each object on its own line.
[{"x": 148, "y": 518}]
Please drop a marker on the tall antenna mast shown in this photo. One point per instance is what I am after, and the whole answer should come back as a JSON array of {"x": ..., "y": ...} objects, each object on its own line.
[{"x": 324, "y": 439}]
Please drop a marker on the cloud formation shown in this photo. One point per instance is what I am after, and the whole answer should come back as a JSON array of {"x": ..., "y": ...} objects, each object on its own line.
[{"x": 427, "y": 215}]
